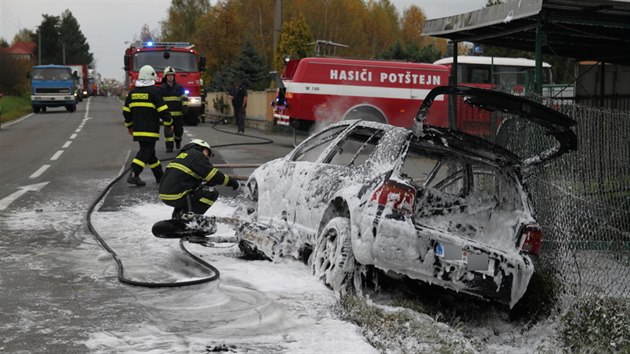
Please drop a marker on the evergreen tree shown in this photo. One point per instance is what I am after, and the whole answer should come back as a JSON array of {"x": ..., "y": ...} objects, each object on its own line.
[
  {"x": 250, "y": 67},
  {"x": 59, "y": 38},
  {"x": 221, "y": 80},
  {"x": 47, "y": 35},
  {"x": 77, "y": 50}
]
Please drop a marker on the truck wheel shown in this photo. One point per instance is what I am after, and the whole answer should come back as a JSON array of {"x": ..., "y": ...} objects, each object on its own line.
[
  {"x": 43, "y": 108},
  {"x": 366, "y": 115},
  {"x": 36, "y": 109},
  {"x": 191, "y": 119},
  {"x": 71, "y": 107}
]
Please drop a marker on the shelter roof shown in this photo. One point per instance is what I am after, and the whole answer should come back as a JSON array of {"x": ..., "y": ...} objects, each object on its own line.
[{"x": 582, "y": 29}]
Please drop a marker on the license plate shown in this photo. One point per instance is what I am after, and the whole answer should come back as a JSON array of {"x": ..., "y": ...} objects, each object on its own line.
[{"x": 478, "y": 262}]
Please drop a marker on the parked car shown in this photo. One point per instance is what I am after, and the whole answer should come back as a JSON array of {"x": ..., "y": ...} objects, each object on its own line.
[{"x": 429, "y": 203}]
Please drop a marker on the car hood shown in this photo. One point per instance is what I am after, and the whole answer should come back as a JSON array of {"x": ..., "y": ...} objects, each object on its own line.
[{"x": 518, "y": 124}]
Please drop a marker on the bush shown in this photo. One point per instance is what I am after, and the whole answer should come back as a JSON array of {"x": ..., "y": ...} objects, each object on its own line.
[
  {"x": 597, "y": 325},
  {"x": 220, "y": 105}
]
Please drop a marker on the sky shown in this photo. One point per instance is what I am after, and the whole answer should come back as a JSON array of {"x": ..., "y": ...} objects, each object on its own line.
[{"x": 109, "y": 24}]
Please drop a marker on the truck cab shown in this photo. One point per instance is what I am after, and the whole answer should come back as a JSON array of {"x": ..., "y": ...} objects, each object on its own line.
[{"x": 53, "y": 86}]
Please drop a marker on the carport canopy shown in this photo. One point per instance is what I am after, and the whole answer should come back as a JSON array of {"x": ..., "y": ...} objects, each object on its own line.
[{"x": 582, "y": 29}]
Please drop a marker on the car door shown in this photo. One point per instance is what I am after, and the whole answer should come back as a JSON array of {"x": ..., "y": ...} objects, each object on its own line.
[
  {"x": 304, "y": 161},
  {"x": 342, "y": 167}
]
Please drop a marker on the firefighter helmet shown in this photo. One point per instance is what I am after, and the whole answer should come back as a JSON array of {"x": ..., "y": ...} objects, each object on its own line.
[
  {"x": 147, "y": 73},
  {"x": 199, "y": 145},
  {"x": 169, "y": 70}
]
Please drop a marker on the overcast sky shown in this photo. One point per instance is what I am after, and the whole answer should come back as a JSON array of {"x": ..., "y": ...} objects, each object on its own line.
[{"x": 108, "y": 24}]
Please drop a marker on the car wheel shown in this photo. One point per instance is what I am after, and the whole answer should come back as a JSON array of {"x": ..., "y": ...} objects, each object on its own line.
[{"x": 332, "y": 259}]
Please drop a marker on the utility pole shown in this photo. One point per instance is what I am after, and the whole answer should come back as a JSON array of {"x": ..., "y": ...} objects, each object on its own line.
[{"x": 277, "y": 25}]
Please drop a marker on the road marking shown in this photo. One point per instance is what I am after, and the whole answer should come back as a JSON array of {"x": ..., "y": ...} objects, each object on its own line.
[
  {"x": 65, "y": 146},
  {"x": 8, "y": 124},
  {"x": 73, "y": 136},
  {"x": 6, "y": 201},
  {"x": 56, "y": 155},
  {"x": 78, "y": 130},
  {"x": 39, "y": 172}
]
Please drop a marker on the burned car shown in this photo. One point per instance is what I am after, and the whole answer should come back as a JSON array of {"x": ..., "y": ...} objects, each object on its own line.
[{"x": 436, "y": 204}]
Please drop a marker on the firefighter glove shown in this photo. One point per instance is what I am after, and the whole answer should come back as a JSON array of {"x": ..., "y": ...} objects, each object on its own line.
[
  {"x": 234, "y": 184},
  {"x": 130, "y": 130}
]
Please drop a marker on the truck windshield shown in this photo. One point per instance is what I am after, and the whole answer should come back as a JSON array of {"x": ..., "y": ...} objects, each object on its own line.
[
  {"x": 51, "y": 74},
  {"x": 181, "y": 61}
]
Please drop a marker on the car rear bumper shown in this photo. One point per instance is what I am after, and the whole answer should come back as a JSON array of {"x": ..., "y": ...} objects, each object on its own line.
[{"x": 398, "y": 246}]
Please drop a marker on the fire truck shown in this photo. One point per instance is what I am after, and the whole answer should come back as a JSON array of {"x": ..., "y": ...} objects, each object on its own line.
[
  {"x": 326, "y": 90},
  {"x": 188, "y": 64}
]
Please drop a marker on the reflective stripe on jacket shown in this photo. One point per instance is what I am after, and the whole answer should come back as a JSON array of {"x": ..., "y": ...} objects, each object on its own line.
[
  {"x": 186, "y": 172},
  {"x": 143, "y": 110},
  {"x": 174, "y": 97}
]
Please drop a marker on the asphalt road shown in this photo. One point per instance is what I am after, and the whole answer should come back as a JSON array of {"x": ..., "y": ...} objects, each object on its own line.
[{"x": 53, "y": 166}]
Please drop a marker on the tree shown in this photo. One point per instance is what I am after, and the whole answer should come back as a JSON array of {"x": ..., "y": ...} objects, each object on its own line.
[
  {"x": 295, "y": 42},
  {"x": 219, "y": 37},
  {"x": 382, "y": 26},
  {"x": 13, "y": 80},
  {"x": 146, "y": 35},
  {"x": 75, "y": 46},
  {"x": 61, "y": 38},
  {"x": 412, "y": 24},
  {"x": 47, "y": 35},
  {"x": 181, "y": 23},
  {"x": 249, "y": 67},
  {"x": 24, "y": 35}
]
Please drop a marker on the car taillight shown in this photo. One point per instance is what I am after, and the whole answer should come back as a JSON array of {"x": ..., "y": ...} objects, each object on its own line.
[
  {"x": 533, "y": 239},
  {"x": 398, "y": 196}
]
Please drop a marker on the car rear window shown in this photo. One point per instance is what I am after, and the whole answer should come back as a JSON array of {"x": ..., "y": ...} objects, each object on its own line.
[{"x": 476, "y": 182}]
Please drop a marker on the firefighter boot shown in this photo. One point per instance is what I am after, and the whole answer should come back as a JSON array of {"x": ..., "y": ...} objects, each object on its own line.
[{"x": 135, "y": 179}]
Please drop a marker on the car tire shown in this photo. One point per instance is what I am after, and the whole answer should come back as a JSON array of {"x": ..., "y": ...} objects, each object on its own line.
[{"x": 332, "y": 259}]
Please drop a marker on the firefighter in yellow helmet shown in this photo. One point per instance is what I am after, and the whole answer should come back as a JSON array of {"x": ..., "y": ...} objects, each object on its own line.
[
  {"x": 143, "y": 110},
  {"x": 177, "y": 101}
]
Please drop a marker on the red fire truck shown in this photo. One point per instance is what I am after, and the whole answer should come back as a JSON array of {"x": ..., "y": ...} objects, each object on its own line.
[
  {"x": 188, "y": 64},
  {"x": 331, "y": 89}
]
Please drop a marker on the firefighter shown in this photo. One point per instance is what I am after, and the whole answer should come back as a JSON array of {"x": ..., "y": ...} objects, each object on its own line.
[
  {"x": 143, "y": 110},
  {"x": 177, "y": 101},
  {"x": 188, "y": 181}
]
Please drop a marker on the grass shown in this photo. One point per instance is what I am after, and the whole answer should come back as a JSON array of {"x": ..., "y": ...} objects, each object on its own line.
[
  {"x": 13, "y": 107},
  {"x": 401, "y": 330}
]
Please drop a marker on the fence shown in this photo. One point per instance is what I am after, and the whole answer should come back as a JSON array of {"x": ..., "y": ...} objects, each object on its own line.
[{"x": 582, "y": 200}]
